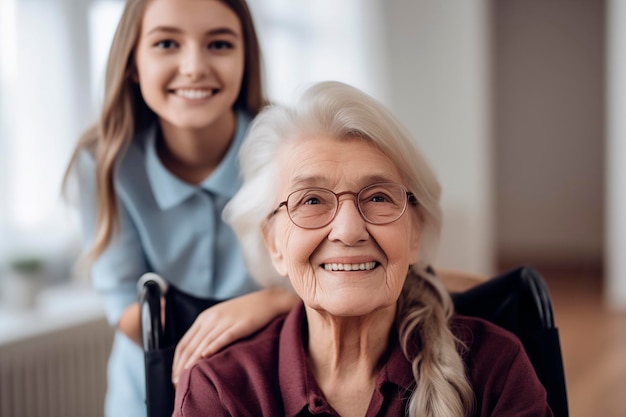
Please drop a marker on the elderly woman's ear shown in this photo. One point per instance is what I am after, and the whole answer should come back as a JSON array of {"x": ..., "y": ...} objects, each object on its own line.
[{"x": 276, "y": 254}]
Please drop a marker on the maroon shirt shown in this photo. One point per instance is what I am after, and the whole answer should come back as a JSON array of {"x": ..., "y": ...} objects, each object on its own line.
[{"x": 267, "y": 375}]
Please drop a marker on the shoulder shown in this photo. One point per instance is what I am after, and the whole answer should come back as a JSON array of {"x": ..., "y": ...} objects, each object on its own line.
[
  {"x": 83, "y": 170},
  {"x": 244, "y": 117},
  {"x": 128, "y": 157},
  {"x": 241, "y": 380},
  {"x": 130, "y": 175},
  {"x": 502, "y": 376},
  {"x": 253, "y": 356},
  {"x": 477, "y": 333},
  {"x": 485, "y": 345},
  {"x": 134, "y": 153},
  {"x": 489, "y": 351}
]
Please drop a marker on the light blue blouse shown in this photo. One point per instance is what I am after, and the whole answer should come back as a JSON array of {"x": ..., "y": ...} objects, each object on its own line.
[{"x": 169, "y": 227}]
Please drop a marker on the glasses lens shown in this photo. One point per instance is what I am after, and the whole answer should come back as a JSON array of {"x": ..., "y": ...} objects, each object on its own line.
[
  {"x": 382, "y": 203},
  {"x": 311, "y": 207}
]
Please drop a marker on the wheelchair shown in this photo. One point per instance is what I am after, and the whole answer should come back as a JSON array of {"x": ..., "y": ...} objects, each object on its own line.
[{"x": 517, "y": 300}]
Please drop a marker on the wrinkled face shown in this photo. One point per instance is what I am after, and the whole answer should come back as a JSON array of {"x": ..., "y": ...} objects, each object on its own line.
[
  {"x": 190, "y": 61},
  {"x": 315, "y": 259}
]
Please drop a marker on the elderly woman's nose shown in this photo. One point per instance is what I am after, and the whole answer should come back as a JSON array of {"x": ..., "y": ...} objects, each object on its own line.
[{"x": 348, "y": 225}]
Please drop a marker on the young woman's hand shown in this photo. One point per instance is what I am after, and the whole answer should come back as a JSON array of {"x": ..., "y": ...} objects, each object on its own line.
[
  {"x": 227, "y": 322},
  {"x": 130, "y": 323}
]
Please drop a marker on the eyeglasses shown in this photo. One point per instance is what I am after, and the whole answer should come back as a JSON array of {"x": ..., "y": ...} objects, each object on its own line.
[{"x": 380, "y": 203}]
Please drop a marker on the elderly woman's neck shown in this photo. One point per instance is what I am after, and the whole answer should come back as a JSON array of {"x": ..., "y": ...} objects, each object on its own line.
[{"x": 344, "y": 353}]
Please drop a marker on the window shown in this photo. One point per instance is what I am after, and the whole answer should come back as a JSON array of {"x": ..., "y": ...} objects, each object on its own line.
[
  {"x": 302, "y": 42},
  {"x": 7, "y": 77},
  {"x": 47, "y": 98}
]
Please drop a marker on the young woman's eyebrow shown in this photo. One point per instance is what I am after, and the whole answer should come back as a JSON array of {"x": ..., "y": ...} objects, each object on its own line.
[
  {"x": 212, "y": 32},
  {"x": 223, "y": 31},
  {"x": 166, "y": 29}
]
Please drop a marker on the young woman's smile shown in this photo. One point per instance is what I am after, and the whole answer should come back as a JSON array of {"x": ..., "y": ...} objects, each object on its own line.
[{"x": 194, "y": 94}]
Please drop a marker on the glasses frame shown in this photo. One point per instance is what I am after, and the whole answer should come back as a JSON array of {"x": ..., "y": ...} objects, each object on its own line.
[{"x": 410, "y": 198}]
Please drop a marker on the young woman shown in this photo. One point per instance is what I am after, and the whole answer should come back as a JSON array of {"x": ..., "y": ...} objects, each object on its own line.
[{"x": 183, "y": 82}]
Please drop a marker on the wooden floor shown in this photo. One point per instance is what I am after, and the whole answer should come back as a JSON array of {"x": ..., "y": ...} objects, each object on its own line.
[{"x": 593, "y": 343}]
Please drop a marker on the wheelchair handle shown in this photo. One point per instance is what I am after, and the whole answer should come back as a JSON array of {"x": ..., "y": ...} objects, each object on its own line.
[{"x": 151, "y": 288}]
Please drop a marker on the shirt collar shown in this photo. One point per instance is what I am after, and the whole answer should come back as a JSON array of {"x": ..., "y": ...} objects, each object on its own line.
[
  {"x": 170, "y": 191},
  {"x": 296, "y": 381},
  {"x": 298, "y": 386}
]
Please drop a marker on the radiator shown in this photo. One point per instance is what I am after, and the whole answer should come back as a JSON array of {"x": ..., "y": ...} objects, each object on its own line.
[{"x": 58, "y": 374}]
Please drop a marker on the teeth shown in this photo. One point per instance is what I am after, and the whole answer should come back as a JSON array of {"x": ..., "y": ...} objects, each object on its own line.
[
  {"x": 194, "y": 94},
  {"x": 366, "y": 266}
]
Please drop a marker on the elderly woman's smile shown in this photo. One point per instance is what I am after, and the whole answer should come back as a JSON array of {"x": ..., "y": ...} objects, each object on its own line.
[{"x": 362, "y": 266}]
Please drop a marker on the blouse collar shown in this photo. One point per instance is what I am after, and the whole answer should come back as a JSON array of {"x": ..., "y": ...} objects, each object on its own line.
[{"x": 170, "y": 190}]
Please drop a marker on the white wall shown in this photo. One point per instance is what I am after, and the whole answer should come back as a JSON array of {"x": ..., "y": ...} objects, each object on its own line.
[
  {"x": 507, "y": 100},
  {"x": 549, "y": 131},
  {"x": 437, "y": 55},
  {"x": 616, "y": 156}
]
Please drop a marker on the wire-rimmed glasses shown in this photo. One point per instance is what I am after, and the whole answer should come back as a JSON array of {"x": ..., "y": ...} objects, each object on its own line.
[{"x": 380, "y": 203}]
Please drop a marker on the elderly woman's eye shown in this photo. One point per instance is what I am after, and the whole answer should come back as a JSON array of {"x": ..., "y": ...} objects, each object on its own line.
[
  {"x": 311, "y": 201},
  {"x": 312, "y": 197},
  {"x": 378, "y": 198}
]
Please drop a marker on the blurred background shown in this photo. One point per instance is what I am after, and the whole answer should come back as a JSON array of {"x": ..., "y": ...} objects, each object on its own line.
[{"x": 519, "y": 104}]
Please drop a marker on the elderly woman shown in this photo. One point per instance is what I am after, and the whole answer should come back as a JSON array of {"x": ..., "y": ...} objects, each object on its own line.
[{"x": 339, "y": 203}]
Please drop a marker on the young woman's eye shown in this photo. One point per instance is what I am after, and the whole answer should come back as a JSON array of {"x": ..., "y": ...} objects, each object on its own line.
[
  {"x": 166, "y": 44},
  {"x": 220, "y": 45}
]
